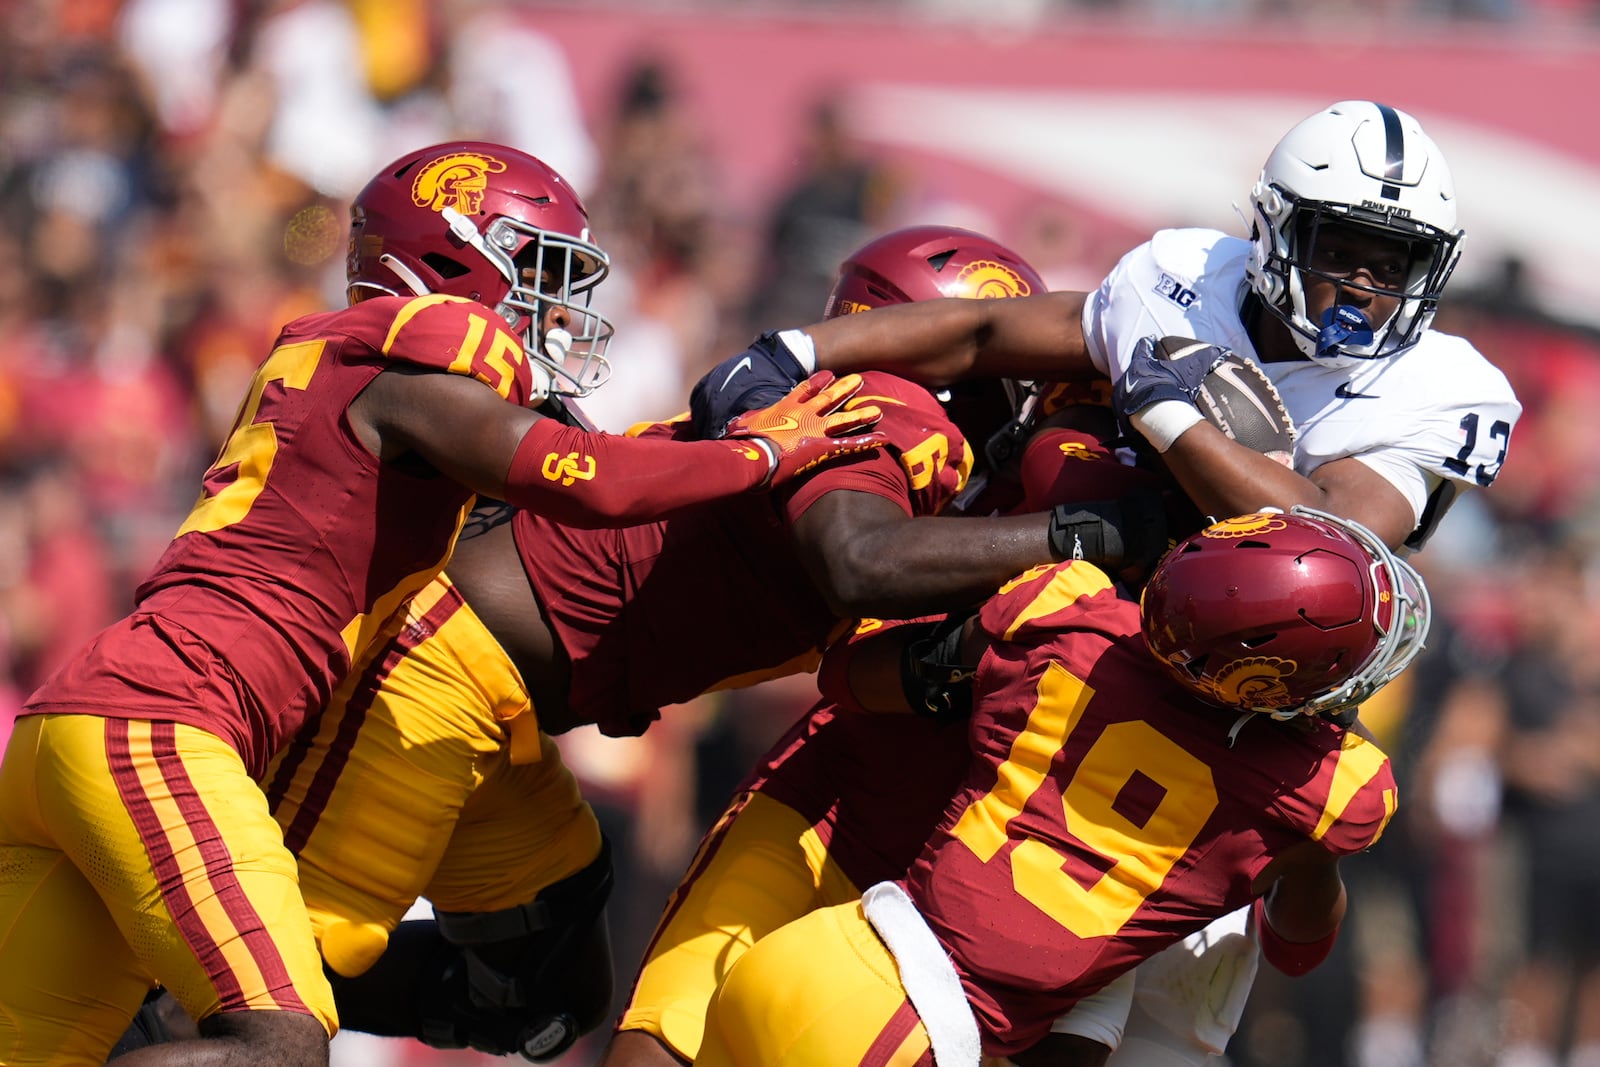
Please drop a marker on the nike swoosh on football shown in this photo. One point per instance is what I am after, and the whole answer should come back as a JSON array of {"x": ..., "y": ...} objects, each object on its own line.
[
  {"x": 743, "y": 364},
  {"x": 1343, "y": 392}
]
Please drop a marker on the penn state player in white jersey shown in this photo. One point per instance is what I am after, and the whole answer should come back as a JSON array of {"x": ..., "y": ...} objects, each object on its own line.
[{"x": 1353, "y": 238}]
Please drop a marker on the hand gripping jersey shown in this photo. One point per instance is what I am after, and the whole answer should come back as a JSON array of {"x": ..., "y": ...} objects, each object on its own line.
[
  {"x": 656, "y": 614},
  {"x": 302, "y": 543},
  {"x": 1433, "y": 419},
  {"x": 1104, "y": 814}
]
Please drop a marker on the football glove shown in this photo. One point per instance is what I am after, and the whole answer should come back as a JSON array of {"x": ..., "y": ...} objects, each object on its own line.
[
  {"x": 1158, "y": 372},
  {"x": 760, "y": 375},
  {"x": 934, "y": 675},
  {"x": 810, "y": 426},
  {"x": 1129, "y": 533}
]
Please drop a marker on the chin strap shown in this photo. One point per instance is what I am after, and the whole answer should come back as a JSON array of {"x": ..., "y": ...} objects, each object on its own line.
[{"x": 405, "y": 274}]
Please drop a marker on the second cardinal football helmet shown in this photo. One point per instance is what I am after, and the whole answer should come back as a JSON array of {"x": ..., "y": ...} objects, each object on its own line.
[
  {"x": 1364, "y": 165},
  {"x": 1287, "y": 614},
  {"x": 929, "y": 262},
  {"x": 495, "y": 225}
]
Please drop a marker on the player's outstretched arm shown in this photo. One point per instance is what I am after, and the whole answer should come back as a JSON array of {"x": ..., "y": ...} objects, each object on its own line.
[
  {"x": 466, "y": 431},
  {"x": 933, "y": 342},
  {"x": 867, "y": 557},
  {"x": 936, "y": 342}
]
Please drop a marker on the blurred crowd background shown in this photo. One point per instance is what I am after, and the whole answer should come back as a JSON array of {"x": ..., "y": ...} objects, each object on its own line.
[{"x": 173, "y": 183}]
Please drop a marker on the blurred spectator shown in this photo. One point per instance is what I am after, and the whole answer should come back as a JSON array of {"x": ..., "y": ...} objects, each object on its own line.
[
  {"x": 324, "y": 120},
  {"x": 180, "y": 49},
  {"x": 511, "y": 83},
  {"x": 654, "y": 213},
  {"x": 1550, "y": 760},
  {"x": 840, "y": 199}
]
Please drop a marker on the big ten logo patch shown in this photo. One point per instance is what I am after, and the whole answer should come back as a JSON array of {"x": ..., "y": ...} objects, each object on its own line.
[{"x": 1176, "y": 291}]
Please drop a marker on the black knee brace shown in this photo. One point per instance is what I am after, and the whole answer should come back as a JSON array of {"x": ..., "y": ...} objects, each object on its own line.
[{"x": 528, "y": 980}]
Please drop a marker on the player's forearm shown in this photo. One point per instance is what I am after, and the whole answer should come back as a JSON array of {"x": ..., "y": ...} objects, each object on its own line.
[
  {"x": 589, "y": 480},
  {"x": 1299, "y": 920},
  {"x": 939, "y": 341},
  {"x": 1225, "y": 478},
  {"x": 930, "y": 564}
]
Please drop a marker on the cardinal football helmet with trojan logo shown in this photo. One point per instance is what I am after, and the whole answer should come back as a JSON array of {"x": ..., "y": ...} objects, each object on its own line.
[
  {"x": 929, "y": 262},
  {"x": 1289, "y": 614},
  {"x": 1363, "y": 165},
  {"x": 494, "y": 225}
]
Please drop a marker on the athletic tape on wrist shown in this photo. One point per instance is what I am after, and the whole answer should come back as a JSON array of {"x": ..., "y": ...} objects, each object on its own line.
[{"x": 1164, "y": 422}]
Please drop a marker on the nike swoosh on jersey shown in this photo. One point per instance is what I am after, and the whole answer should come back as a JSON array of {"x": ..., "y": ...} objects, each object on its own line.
[
  {"x": 1344, "y": 392},
  {"x": 743, "y": 364}
]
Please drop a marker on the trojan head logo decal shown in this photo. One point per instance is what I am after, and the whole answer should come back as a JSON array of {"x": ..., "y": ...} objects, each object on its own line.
[
  {"x": 987, "y": 280},
  {"x": 1255, "y": 682},
  {"x": 1245, "y": 526},
  {"x": 456, "y": 180}
]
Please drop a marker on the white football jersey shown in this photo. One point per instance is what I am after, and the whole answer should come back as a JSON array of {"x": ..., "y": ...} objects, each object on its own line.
[{"x": 1432, "y": 419}]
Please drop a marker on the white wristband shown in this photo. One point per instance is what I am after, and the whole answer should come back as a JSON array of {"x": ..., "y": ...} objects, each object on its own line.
[
  {"x": 1164, "y": 422},
  {"x": 771, "y": 449}
]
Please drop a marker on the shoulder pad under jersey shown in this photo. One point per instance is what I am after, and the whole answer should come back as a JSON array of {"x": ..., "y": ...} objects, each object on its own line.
[{"x": 447, "y": 333}]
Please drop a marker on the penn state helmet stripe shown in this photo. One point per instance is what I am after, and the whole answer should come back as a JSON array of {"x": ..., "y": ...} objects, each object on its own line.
[{"x": 1394, "y": 153}]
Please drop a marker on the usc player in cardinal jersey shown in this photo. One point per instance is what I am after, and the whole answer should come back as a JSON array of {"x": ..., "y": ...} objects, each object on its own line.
[
  {"x": 433, "y": 771},
  {"x": 1137, "y": 770},
  {"x": 136, "y": 845},
  {"x": 1352, "y": 239}
]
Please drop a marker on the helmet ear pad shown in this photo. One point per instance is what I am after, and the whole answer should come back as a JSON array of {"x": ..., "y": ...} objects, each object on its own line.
[{"x": 1266, "y": 243}]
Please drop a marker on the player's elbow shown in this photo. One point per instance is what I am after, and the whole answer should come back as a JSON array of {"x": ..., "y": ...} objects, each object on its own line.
[{"x": 858, "y": 580}]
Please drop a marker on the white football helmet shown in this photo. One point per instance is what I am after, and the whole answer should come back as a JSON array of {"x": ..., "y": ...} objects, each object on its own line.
[{"x": 1363, "y": 164}]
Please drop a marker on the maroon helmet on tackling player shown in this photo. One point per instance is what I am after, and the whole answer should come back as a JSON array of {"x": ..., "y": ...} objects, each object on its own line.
[
  {"x": 490, "y": 224},
  {"x": 929, "y": 262},
  {"x": 1288, "y": 614},
  {"x": 925, "y": 263}
]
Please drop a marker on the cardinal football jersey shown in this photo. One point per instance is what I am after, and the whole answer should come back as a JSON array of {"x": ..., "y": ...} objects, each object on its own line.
[
  {"x": 656, "y": 614},
  {"x": 1107, "y": 813},
  {"x": 302, "y": 543}
]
